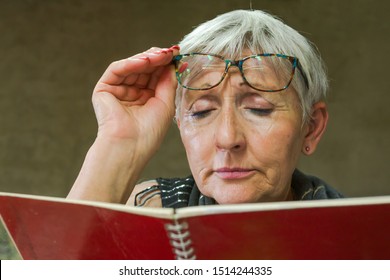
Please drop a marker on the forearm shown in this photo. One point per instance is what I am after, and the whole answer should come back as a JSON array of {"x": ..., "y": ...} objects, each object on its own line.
[
  {"x": 109, "y": 172},
  {"x": 134, "y": 106}
]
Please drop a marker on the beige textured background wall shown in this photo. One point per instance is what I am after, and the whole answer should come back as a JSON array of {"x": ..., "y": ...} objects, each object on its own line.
[{"x": 53, "y": 52}]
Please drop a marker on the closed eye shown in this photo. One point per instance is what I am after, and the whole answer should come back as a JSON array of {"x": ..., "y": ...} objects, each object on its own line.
[
  {"x": 261, "y": 111},
  {"x": 201, "y": 114}
]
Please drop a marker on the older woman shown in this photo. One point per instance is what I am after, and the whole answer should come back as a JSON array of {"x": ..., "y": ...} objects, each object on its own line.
[{"x": 250, "y": 101}]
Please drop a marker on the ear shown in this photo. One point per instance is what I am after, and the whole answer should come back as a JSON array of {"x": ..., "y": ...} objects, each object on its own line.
[{"x": 315, "y": 127}]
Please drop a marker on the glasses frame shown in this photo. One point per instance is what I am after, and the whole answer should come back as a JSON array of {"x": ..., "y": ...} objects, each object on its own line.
[{"x": 238, "y": 63}]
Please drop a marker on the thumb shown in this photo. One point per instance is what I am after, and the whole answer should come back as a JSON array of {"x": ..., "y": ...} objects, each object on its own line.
[{"x": 104, "y": 105}]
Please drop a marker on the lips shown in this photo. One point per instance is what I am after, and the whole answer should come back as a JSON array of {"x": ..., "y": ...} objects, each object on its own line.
[{"x": 227, "y": 173}]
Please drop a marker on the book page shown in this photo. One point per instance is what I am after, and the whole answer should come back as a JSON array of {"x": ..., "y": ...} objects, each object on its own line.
[{"x": 8, "y": 249}]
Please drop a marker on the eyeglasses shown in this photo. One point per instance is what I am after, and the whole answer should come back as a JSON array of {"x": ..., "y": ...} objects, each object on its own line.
[{"x": 264, "y": 72}]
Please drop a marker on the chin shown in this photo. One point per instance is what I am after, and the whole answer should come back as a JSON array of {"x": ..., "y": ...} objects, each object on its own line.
[
  {"x": 252, "y": 190},
  {"x": 241, "y": 200},
  {"x": 234, "y": 201},
  {"x": 238, "y": 195}
]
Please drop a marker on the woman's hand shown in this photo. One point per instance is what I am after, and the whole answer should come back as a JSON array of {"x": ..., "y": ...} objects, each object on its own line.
[
  {"x": 134, "y": 107},
  {"x": 134, "y": 99}
]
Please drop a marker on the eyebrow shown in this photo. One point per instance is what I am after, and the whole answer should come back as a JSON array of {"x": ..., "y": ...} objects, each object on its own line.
[
  {"x": 253, "y": 84},
  {"x": 189, "y": 94},
  {"x": 205, "y": 85}
]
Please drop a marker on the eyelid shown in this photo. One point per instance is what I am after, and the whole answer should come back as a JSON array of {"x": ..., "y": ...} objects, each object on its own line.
[
  {"x": 256, "y": 99},
  {"x": 210, "y": 98},
  {"x": 198, "y": 115},
  {"x": 260, "y": 111}
]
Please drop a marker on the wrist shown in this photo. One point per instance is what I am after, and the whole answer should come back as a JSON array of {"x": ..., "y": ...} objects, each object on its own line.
[{"x": 110, "y": 171}]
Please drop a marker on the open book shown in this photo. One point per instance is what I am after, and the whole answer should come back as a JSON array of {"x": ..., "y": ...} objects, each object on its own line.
[{"x": 55, "y": 228}]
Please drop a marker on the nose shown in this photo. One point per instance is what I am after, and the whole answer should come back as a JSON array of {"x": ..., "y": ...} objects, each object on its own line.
[{"x": 229, "y": 134}]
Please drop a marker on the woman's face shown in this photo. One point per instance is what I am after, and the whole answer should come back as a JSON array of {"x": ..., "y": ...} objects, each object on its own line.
[{"x": 242, "y": 144}]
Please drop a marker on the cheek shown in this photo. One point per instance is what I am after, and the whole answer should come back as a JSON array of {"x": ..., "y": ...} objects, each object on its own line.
[
  {"x": 285, "y": 142},
  {"x": 197, "y": 143},
  {"x": 279, "y": 140}
]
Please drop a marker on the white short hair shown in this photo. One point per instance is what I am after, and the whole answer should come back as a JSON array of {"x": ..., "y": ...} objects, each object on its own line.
[{"x": 232, "y": 33}]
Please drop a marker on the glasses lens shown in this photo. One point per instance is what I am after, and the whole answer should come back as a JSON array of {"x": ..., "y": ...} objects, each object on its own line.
[
  {"x": 199, "y": 71},
  {"x": 268, "y": 73}
]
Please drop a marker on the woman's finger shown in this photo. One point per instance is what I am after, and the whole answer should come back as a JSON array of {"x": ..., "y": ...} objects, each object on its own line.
[
  {"x": 121, "y": 92},
  {"x": 140, "y": 80},
  {"x": 154, "y": 79},
  {"x": 118, "y": 71},
  {"x": 166, "y": 87}
]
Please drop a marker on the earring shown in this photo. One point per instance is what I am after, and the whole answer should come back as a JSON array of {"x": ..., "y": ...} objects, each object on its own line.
[{"x": 307, "y": 148}]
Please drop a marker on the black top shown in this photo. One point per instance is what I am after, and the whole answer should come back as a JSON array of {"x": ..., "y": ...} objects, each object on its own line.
[{"x": 183, "y": 192}]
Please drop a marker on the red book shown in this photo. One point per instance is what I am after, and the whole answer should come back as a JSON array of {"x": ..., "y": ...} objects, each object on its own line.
[{"x": 55, "y": 228}]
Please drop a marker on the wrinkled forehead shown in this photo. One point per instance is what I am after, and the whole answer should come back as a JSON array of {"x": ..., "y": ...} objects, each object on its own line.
[
  {"x": 240, "y": 54},
  {"x": 230, "y": 50}
]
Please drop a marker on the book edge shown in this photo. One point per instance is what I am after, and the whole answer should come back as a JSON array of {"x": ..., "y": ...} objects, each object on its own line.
[
  {"x": 177, "y": 214},
  {"x": 163, "y": 213},
  {"x": 278, "y": 206}
]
